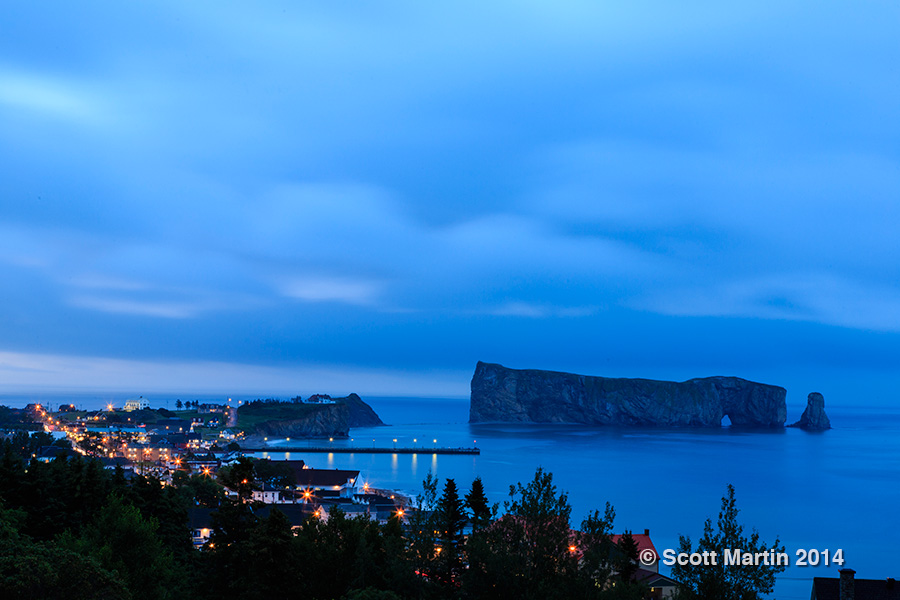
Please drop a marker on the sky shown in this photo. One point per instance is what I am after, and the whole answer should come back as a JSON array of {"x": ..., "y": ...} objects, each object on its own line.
[{"x": 293, "y": 197}]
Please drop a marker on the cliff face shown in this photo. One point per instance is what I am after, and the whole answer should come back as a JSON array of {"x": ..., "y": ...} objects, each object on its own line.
[
  {"x": 814, "y": 417},
  {"x": 533, "y": 396},
  {"x": 313, "y": 420},
  {"x": 360, "y": 413},
  {"x": 330, "y": 420}
]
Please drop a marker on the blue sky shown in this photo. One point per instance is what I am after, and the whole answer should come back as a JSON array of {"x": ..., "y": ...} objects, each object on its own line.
[{"x": 373, "y": 196}]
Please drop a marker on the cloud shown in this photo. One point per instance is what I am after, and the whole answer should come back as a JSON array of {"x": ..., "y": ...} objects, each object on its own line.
[
  {"x": 23, "y": 371},
  {"x": 47, "y": 95},
  {"x": 537, "y": 311},
  {"x": 301, "y": 166},
  {"x": 331, "y": 290},
  {"x": 168, "y": 310},
  {"x": 816, "y": 297}
]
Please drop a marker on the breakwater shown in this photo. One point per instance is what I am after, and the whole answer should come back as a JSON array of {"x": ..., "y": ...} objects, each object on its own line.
[{"x": 361, "y": 450}]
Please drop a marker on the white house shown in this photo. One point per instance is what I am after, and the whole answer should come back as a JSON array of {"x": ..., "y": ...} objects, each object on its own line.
[
  {"x": 268, "y": 495},
  {"x": 139, "y": 403}
]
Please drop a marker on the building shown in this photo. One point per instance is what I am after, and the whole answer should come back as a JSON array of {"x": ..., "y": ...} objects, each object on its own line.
[
  {"x": 847, "y": 587},
  {"x": 139, "y": 403},
  {"x": 660, "y": 585},
  {"x": 269, "y": 495},
  {"x": 325, "y": 479},
  {"x": 200, "y": 519},
  {"x": 319, "y": 399}
]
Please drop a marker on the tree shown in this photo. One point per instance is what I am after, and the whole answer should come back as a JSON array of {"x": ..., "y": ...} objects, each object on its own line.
[
  {"x": 179, "y": 405},
  {"x": 595, "y": 546},
  {"x": 721, "y": 581},
  {"x": 239, "y": 477},
  {"x": 627, "y": 559},
  {"x": 422, "y": 526},
  {"x": 477, "y": 503},
  {"x": 528, "y": 552},
  {"x": 123, "y": 541},
  {"x": 450, "y": 519}
]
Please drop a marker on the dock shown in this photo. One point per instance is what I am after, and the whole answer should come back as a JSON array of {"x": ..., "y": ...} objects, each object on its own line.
[{"x": 361, "y": 450}]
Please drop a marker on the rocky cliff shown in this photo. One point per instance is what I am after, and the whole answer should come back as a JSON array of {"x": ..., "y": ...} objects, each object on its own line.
[
  {"x": 360, "y": 413},
  {"x": 814, "y": 417},
  {"x": 285, "y": 419},
  {"x": 500, "y": 394}
]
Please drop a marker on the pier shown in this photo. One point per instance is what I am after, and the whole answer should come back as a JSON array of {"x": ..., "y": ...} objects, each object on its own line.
[{"x": 361, "y": 450}]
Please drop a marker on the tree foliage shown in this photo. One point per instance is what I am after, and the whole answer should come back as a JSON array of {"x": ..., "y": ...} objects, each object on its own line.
[
  {"x": 721, "y": 582},
  {"x": 71, "y": 529}
]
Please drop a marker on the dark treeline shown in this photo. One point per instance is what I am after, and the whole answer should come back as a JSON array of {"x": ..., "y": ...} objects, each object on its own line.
[{"x": 71, "y": 529}]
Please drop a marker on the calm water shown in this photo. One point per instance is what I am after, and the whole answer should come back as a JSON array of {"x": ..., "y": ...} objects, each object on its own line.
[{"x": 838, "y": 489}]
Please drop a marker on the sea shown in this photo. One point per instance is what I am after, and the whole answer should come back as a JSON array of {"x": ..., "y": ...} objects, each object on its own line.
[{"x": 829, "y": 491}]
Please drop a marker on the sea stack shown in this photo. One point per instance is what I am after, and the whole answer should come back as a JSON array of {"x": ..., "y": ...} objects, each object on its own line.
[{"x": 814, "y": 417}]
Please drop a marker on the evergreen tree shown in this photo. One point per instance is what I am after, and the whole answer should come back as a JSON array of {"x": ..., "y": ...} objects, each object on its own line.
[
  {"x": 477, "y": 503},
  {"x": 450, "y": 519},
  {"x": 627, "y": 559}
]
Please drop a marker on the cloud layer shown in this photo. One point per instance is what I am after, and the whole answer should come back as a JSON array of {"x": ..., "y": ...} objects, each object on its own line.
[{"x": 397, "y": 186}]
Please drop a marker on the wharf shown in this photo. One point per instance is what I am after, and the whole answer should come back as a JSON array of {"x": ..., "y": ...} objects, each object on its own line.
[{"x": 361, "y": 450}]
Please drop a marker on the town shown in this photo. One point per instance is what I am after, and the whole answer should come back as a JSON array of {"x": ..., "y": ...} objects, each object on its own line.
[
  {"x": 201, "y": 440},
  {"x": 176, "y": 488}
]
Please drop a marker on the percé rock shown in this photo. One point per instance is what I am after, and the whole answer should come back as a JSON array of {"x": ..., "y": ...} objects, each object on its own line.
[
  {"x": 319, "y": 420},
  {"x": 507, "y": 395},
  {"x": 814, "y": 417}
]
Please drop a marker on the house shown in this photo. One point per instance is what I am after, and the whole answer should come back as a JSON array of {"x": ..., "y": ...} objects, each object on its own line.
[
  {"x": 172, "y": 426},
  {"x": 178, "y": 440},
  {"x": 111, "y": 463},
  {"x": 319, "y": 399},
  {"x": 153, "y": 452},
  {"x": 660, "y": 585},
  {"x": 200, "y": 518},
  {"x": 268, "y": 495},
  {"x": 200, "y": 524},
  {"x": 847, "y": 587},
  {"x": 210, "y": 408},
  {"x": 48, "y": 453},
  {"x": 139, "y": 403},
  {"x": 205, "y": 465},
  {"x": 320, "y": 479}
]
